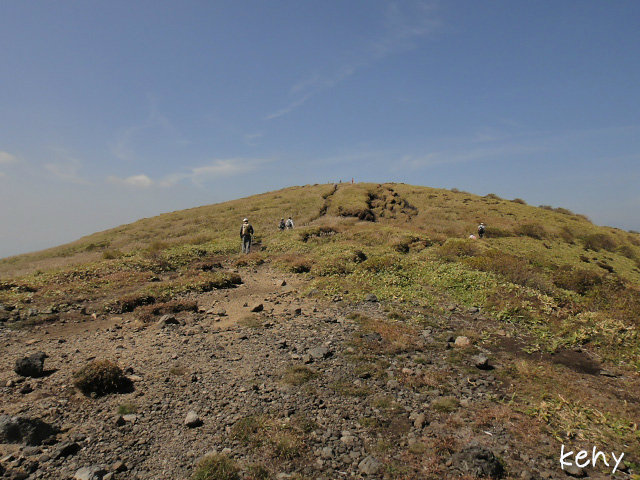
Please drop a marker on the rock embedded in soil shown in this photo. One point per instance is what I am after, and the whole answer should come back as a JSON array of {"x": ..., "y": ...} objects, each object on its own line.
[
  {"x": 462, "y": 341},
  {"x": 30, "y": 431},
  {"x": 94, "y": 472},
  {"x": 31, "y": 366},
  {"x": 257, "y": 308},
  {"x": 192, "y": 420},
  {"x": 369, "y": 465},
  {"x": 478, "y": 461},
  {"x": 481, "y": 362}
]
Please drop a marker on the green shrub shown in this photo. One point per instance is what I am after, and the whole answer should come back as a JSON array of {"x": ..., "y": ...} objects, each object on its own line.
[
  {"x": 101, "y": 377},
  {"x": 599, "y": 241},
  {"x": 129, "y": 303},
  {"x": 380, "y": 263},
  {"x": 298, "y": 375},
  {"x": 316, "y": 232},
  {"x": 217, "y": 467},
  {"x": 147, "y": 313},
  {"x": 127, "y": 408},
  {"x": 111, "y": 254},
  {"x": 455, "y": 248},
  {"x": 515, "y": 269},
  {"x": 577, "y": 280},
  {"x": 627, "y": 251},
  {"x": 533, "y": 230}
]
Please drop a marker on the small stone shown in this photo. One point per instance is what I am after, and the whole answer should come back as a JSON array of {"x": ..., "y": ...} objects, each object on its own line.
[
  {"x": 284, "y": 283},
  {"x": 192, "y": 420},
  {"x": 574, "y": 471},
  {"x": 369, "y": 465},
  {"x": 94, "y": 472},
  {"x": 258, "y": 308},
  {"x": 462, "y": 342},
  {"x": 26, "y": 388},
  {"x": 66, "y": 449},
  {"x": 326, "y": 453},
  {"x": 478, "y": 461},
  {"x": 481, "y": 362},
  {"x": 167, "y": 320},
  {"x": 119, "y": 466},
  {"x": 320, "y": 353},
  {"x": 370, "y": 298},
  {"x": 419, "y": 421}
]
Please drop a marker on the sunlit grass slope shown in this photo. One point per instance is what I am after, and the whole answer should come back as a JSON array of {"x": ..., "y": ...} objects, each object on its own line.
[{"x": 563, "y": 279}]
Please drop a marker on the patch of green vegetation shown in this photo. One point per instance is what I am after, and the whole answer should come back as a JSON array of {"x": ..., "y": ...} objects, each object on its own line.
[
  {"x": 127, "y": 408},
  {"x": 216, "y": 467},
  {"x": 298, "y": 375},
  {"x": 445, "y": 404}
]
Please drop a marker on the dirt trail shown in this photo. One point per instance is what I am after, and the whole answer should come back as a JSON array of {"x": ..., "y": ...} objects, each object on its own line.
[{"x": 305, "y": 388}]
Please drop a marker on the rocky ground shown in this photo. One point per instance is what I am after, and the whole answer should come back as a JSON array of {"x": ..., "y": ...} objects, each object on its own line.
[{"x": 303, "y": 387}]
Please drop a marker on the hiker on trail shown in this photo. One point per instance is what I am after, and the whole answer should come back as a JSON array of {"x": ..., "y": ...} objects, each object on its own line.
[
  {"x": 289, "y": 223},
  {"x": 481, "y": 229},
  {"x": 281, "y": 225},
  {"x": 246, "y": 231}
]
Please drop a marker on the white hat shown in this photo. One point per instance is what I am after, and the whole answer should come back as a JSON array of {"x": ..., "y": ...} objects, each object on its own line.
[{"x": 245, "y": 220}]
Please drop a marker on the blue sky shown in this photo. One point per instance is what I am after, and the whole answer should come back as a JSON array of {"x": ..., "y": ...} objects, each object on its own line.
[{"x": 113, "y": 111}]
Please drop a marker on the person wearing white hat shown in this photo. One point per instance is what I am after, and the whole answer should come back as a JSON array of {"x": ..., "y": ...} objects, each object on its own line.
[
  {"x": 481, "y": 229},
  {"x": 246, "y": 232}
]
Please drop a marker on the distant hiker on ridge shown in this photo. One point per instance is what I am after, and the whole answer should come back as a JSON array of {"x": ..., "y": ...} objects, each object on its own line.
[
  {"x": 481, "y": 229},
  {"x": 246, "y": 231},
  {"x": 281, "y": 225},
  {"x": 289, "y": 223}
]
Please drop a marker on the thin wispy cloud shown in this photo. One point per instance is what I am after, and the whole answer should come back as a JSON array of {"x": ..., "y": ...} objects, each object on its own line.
[
  {"x": 6, "y": 158},
  {"x": 136, "y": 181},
  {"x": 125, "y": 146},
  {"x": 215, "y": 170},
  {"x": 404, "y": 25},
  {"x": 66, "y": 167},
  {"x": 251, "y": 139},
  {"x": 450, "y": 157}
]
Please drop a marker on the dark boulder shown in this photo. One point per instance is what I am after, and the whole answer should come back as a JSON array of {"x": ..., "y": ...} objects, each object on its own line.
[
  {"x": 31, "y": 366},
  {"x": 31, "y": 431}
]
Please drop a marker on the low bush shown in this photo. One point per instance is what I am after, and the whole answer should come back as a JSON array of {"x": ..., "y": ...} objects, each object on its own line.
[
  {"x": 316, "y": 232},
  {"x": 380, "y": 263},
  {"x": 599, "y": 241},
  {"x": 533, "y": 230},
  {"x": 101, "y": 377},
  {"x": 627, "y": 251},
  {"x": 148, "y": 312},
  {"x": 515, "y": 269},
  {"x": 578, "y": 280},
  {"x": 217, "y": 467},
  {"x": 456, "y": 248},
  {"x": 298, "y": 375},
  {"x": 294, "y": 263},
  {"x": 129, "y": 303}
]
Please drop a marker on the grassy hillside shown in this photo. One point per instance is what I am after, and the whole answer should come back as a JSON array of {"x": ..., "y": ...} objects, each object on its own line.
[{"x": 546, "y": 280}]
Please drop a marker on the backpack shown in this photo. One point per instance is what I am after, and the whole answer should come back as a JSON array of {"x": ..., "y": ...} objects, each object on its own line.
[
  {"x": 480, "y": 228},
  {"x": 245, "y": 229}
]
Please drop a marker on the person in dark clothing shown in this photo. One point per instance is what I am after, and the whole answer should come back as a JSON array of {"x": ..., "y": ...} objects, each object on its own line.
[
  {"x": 281, "y": 225},
  {"x": 481, "y": 229},
  {"x": 246, "y": 232}
]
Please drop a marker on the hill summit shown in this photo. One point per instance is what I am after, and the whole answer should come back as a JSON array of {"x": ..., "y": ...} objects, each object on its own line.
[{"x": 378, "y": 338}]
